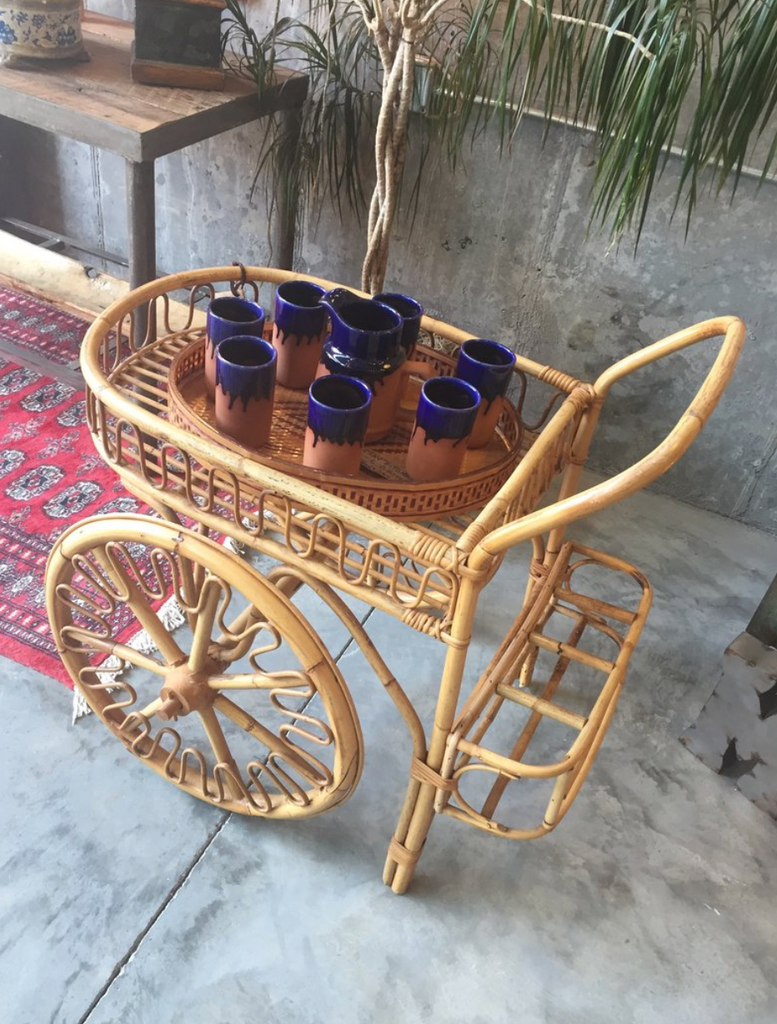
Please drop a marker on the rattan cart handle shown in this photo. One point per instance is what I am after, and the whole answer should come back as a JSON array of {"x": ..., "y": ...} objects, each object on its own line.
[{"x": 649, "y": 468}]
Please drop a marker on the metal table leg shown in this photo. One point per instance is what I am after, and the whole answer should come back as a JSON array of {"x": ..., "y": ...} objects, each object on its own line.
[{"x": 141, "y": 225}]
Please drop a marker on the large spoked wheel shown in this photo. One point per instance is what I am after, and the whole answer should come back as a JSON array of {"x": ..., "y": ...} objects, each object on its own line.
[{"x": 243, "y": 707}]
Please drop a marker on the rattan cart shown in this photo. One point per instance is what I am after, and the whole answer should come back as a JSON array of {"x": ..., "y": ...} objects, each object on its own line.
[{"x": 262, "y": 721}]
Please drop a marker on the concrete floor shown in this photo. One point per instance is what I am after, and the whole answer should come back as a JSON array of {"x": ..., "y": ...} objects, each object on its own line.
[{"x": 655, "y": 901}]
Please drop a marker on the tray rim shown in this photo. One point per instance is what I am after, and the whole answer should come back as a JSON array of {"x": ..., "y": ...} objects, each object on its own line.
[{"x": 342, "y": 482}]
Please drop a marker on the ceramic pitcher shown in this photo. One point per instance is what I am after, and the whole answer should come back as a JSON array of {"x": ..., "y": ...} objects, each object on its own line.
[{"x": 366, "y": 342}]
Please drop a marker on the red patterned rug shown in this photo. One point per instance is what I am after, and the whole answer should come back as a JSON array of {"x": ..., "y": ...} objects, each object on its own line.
[
  {"x": 39, "y": 327},
  {"x": 50, "y": 478}
]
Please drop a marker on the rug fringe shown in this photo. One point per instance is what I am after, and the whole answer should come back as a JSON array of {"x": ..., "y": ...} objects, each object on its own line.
[
  {"x": 231, "y": 544},
  {"x": 171, "y": 616}
]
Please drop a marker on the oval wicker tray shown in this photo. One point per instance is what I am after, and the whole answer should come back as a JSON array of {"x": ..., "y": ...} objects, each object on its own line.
[{"x": 382, "y": 485}]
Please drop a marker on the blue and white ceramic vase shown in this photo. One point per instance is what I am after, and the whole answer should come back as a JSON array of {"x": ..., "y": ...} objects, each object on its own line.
[
  {"x": 338, "y": 413},
  {"x": 298, "y": 332},
  {"x": 245, "y": 387},
  {"x": 446, "y": 414},
  {"x": 41, "y": 29},
  {"x": 228, "y": 316},
  {"x": 488, "y": 366},
  {"x": 366, "y": 342}
]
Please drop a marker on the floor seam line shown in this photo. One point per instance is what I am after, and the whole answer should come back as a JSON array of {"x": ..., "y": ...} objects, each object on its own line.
[{"x": 135, "y": 946}]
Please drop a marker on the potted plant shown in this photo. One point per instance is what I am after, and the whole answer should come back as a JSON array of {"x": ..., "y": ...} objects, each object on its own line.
[{"x": 623, "y": 68}]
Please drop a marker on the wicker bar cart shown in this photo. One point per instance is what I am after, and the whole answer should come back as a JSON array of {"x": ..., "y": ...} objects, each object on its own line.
[{"x": 245, "y": 707}]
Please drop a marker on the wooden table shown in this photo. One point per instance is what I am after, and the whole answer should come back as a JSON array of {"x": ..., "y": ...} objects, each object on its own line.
[{"x": 96, "y": 102}]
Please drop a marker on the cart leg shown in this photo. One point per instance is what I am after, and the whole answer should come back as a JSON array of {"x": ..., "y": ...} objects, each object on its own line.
[
  {"x": 418, "y": 809},
  {"x": 288, "y": 579},
  {"x": 396, "y": 846}
]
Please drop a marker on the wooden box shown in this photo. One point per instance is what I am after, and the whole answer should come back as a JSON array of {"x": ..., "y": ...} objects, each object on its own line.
[{"x": 178, "y": 43}]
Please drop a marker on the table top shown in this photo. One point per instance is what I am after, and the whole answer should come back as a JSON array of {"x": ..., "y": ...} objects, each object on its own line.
[{"x": 98, "y": 103}]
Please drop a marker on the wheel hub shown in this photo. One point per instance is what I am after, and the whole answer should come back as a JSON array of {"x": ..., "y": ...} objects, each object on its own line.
[{"x": 186, "y": 691}]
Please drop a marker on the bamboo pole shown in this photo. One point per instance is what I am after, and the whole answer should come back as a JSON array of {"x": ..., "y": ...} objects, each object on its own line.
[{"x": 396, "y": 873}]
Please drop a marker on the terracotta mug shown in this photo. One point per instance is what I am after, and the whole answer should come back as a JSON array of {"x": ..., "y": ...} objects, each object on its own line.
[
  {"x": 228, "y": 315},
  {"x": 245, "y": 382},
  {"x": 446, "y": 415},
  {"x": 365, "y": 342},
  {"x": 338, "y": 413},
  {"x": 298, "y": 332},
  {"x": 488, "y": 366},
  {"x": 411, "y": 313}
]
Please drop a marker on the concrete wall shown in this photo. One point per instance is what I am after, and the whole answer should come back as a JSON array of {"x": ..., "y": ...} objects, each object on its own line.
[{"x": 500, "y": 248}]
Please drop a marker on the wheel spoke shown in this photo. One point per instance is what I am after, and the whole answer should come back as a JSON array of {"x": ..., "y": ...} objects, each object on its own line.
[
  {"x": 151, "y": 709},
  {"x": 123, "y": 651},
  {"x": 276, "y": 744},
  {"x": 223, "y": 754},
  {"x": 209, "y": 600},
  {"x": 258, "y": 681},
  {"x": 190, "y": 593},
  {"x": 142, "y": 610}
]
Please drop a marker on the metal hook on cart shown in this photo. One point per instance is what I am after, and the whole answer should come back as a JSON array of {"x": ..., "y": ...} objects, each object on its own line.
[{"x": 238, "y": 288}]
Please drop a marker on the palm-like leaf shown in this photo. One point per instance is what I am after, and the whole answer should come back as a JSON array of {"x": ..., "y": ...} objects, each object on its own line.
[{"x": 646, "y": 76}]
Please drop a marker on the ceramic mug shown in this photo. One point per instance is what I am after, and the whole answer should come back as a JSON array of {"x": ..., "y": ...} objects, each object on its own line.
[
  {"x": 228, "y": 316},
  {"x": 488, "y": 366},
  {"x": 411, "y": 313},
  {"x": 245, "y": 383},
  {"x": 365, "y": 342},
  {"x": 446, "y": 414},
  {"x": 338, "y": 413},
  {"x": 299, "y": 331}
]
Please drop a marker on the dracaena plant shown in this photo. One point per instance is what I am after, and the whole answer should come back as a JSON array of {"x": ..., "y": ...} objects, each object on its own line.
[{"x": 627, "y": 69}]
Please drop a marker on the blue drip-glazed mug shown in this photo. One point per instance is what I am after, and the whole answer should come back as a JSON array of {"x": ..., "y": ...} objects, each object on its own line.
[
  {"x": 245, "y": 386},
  {"x": 338, "y": 413},
  {"x": 488, "y": 366},
  {"x": 411, "y": 312},
  {"x": 229, "y": 315},
  {"x": 447, "y": 409},
  {"x": 365, "y": 342},
  {"x": 299, "y": 331}
]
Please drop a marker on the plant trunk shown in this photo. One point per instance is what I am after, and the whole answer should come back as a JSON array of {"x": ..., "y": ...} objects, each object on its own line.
[{"x": 390, "y": 151}]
